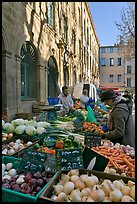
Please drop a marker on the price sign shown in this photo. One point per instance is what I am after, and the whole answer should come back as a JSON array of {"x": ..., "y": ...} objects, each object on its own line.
[
  {"x": 92, "y": 140},
  {"x": 30, "y": 165},
  {"x": 69, "y": 159},
  {"x": 32, "y": 161}
]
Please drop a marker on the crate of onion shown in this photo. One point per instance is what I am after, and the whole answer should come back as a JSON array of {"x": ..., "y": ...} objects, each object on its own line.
[
  {"x": 20, "y": 186},
  {"x": 17, "y": 145},
  {"x": 88, "y": 186}
]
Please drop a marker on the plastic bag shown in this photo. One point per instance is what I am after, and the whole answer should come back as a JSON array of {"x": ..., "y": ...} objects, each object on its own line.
[{"x": 90, "y": 115}]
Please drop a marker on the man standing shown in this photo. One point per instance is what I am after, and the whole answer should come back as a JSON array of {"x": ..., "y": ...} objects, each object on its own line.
[{"x": 65, "y": 99}]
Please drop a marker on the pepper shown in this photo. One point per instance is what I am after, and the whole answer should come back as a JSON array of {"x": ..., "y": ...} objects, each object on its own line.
[{"x": 59, "y": 144}]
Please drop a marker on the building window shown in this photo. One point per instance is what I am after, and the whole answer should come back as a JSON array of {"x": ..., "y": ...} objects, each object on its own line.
[
  {"x": 111, "y": 49},
  {"x": 102, "y": 50},
  {"x": 119, "y": 62},
  {"x": 84, "y": 27},
  {"x": 119, "y": 78},
  {"x": 103, "y": 62},
  {"x": 79, "y": 49},
  {"x": 128, "y": 82},
  {"x": 65, "y": 29},
  {"x": 111, "y": 61},
  {"x": 73, "y": 40},
  {"x": 87, "y": 36},
  {"x": 51, "y": 14},
  {"x": 79, "y": 12},
  {"x": 28, "y": 68},
  {"x": 128, "y": 69},
  {"x": 111, "y": 78}
]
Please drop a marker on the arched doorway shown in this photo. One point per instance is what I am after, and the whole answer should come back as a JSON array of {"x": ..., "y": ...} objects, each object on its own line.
[{"x": 53, "y": 87}]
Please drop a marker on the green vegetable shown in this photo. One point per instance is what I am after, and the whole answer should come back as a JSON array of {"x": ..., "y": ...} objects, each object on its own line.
[{"x": 50, "y": 143}]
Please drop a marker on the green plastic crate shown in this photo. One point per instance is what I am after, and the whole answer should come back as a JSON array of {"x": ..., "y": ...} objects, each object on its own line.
[{"x": 14, "y": 196}]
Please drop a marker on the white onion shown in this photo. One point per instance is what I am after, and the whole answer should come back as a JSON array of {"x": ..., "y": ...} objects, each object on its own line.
[
  {"x": 79, "y": 184},
  {"x": 12, "y": 172},
  {"x": 85, "y": 191},
  {"x": 64, "y": 177},
  {"x": 74, "y": 178},
  {"x": 68, "y": 187},
  {"x": 74, "y": 172},
  {"x": 9, "y": 166},
  {"x": 75, "y": 196},
  {"x": 125, "y": 190},
  {"x": 105, "y": 187},
  {"x": 97, "y": 194},
  {"x": 90, "y": 181},
  {"x": 62, "y": 197},
  {"x": 127, "y": 198},
  {"x": 58, "y": 189},
  {"x": 132, "y": 191},
  {"x": 84, "y": 177},
  {"x": 115, "y": 195}
]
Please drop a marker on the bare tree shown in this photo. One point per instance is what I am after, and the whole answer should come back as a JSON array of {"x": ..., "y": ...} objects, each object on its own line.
[{"x": 126, "y": 26}]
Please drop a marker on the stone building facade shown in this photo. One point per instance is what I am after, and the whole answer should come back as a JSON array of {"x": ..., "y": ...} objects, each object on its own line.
[
  {"x": 115, "y": 70},
  {"x": 111, "y": 67},
  {"x": 45, "y": 47}
]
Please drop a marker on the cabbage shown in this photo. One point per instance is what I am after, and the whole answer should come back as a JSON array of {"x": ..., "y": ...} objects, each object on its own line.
[
  {"x": 30, "y": 130},
  {"x": 20, "y": 129},
  {"x": 43, "y": 124},
  {"x": 10, "y": 128},
  {"x": 31, "y": 123},
  {"x": 5, "y": 125},
  {"x": 18, "y": 121},
  {"x": 40, "y": 130}
]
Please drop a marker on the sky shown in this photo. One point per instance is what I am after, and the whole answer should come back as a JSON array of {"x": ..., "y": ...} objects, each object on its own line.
[{"x": 104, "y": 15}]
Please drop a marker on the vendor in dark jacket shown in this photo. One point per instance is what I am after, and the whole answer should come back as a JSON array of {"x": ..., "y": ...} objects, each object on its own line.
[{"x": 120, "y": 121}]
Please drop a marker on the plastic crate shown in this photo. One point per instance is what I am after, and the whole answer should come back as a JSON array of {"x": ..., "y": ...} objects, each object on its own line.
[
  {"x": 14, "y": 196},
  {"x": 53, "y": 101},
  {"x": 47, "y": 192}
]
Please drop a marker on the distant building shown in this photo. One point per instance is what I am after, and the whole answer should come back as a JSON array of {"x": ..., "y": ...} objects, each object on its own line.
[
  {"x": 111, "y": 66},
  {"x": 130, "y": 74}
]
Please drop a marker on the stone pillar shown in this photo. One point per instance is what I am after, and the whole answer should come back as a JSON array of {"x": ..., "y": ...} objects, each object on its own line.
[
  {"x": 41, "y": 83},
  {"x": 18, "y": 84},
  {"x": 46, "y": 84}
]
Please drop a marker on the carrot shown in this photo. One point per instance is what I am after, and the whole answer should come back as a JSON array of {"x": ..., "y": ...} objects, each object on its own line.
[
  {"x": 129, "y": 164},
  {"x": 113, "y": 163}
]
